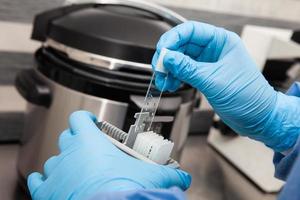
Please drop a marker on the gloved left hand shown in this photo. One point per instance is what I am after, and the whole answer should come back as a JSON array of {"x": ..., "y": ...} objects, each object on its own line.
[{"x": 89, "y": 163}]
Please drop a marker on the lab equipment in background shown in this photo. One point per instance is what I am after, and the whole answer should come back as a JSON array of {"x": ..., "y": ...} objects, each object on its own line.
[
  {"x": 202, "y": 117},
  {"x": 96, "y": 57},
  {"x": 246, "y": 167},
  {"x": 275, "y": 52}
]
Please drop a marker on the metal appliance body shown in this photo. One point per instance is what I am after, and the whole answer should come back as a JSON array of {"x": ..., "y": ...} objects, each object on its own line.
[{"x": 44, "y": 125}]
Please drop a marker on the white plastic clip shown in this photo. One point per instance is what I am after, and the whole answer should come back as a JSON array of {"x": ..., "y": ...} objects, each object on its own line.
[
  {"x": 160, "y": 61},
  {"x": 154, "y": 147}
]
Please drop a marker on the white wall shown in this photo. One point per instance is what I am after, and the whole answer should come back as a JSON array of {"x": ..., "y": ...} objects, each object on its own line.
[{"x": 275, "y": 9}]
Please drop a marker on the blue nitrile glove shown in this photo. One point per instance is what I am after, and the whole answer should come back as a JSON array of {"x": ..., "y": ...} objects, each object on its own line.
[
  {"x": 89, "y": 163},
  {"x": 215, "y": 61}
]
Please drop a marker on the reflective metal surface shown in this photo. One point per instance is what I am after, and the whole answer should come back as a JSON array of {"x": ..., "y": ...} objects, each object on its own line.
[
  {"x": 95, "y": 59},
  {"x": 43, "y": 126}
]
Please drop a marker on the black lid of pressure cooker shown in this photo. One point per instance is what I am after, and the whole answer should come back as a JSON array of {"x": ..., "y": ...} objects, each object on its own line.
[{"x": 116, "y": 31}]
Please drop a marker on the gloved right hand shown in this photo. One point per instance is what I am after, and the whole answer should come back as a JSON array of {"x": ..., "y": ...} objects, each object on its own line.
[{"x": 215, "y": 61}]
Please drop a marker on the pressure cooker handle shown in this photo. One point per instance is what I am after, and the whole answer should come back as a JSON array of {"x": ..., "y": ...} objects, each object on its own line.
[
  {"x": 150, "y": 7},
  {"x": 32, "y": 88}
]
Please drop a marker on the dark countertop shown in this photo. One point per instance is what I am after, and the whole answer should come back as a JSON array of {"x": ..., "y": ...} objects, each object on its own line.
[
  {"x": 9, "y": 188},
  {"x": 8, "y": 177}
]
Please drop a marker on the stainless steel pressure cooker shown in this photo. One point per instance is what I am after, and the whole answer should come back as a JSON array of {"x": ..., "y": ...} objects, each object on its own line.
[{"x": 96, "y": 57}]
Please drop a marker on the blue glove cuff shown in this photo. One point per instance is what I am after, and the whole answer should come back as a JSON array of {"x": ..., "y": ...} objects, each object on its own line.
[{"x": 282, "y": 130}]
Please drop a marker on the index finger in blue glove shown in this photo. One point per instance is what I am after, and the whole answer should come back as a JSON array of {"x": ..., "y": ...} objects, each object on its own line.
[
  {"x": 34, "y": 181},
  {"x": 65, "y": 140},
  {"x": 188, "y": 70},
  {"x": 177, "y": 178},
  {"x": 83, "y": 122},
  {"x": 50, "y": 165},
  {"x": 171, "y": 84},
  {"x": 195, "y": 33}
]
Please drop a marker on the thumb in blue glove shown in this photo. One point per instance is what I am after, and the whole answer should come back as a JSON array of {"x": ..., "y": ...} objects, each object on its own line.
[
  {"x": 89, "y": 163},
  {"x": 215, "y": 61}
]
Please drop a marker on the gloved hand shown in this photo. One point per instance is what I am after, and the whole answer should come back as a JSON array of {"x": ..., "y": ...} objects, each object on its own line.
[
  {"x": 89, "y": 163},
  {"x": 215, "y": 61}
]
